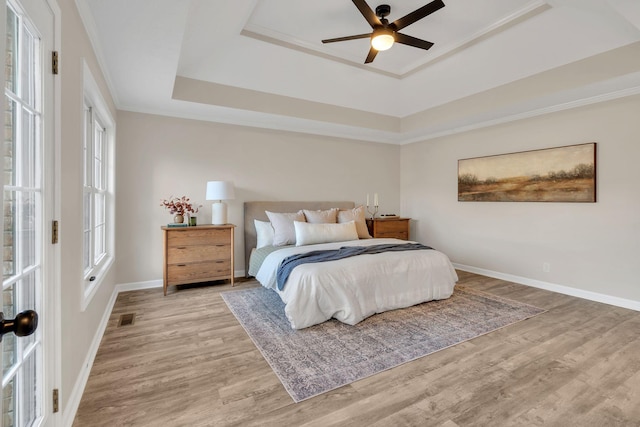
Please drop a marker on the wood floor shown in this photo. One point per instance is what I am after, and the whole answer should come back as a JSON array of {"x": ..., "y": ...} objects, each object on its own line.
[{"x": 186, "y": 361}]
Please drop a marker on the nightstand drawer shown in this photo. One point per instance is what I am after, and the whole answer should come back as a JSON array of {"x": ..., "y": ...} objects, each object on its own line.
[
  {"x": 400, "y": 234},
  {"x": 198, "y": 237},
  {"x": 196, "y": 253},
  {"x": 198, "y": 271},
  {"x": 397, "y": 228},
  {"x": 390, "y": 226}
]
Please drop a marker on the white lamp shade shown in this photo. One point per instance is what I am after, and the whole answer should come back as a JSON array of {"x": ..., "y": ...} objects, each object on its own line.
[{"x": 220, "y": 190}]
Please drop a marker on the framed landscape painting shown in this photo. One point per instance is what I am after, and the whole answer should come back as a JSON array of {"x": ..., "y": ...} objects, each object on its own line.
[{"x": 562, "y": 174}]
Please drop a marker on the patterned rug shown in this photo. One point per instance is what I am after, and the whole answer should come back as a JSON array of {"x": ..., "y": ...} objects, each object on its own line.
[{"x": 324, "y": 357}]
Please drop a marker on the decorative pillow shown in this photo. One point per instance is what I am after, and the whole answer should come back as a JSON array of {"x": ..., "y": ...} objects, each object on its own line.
[
  {"x": 264, "y": 233},
  {"x": 310, "y": 234},
  {"x": 283, "y": 231},
  {"x": 329, "y": 216},
  {"x": 357, "y": 215}
]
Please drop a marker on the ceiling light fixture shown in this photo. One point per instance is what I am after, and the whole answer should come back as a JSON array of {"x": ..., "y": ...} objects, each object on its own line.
[{"x": 382, "y": 39}]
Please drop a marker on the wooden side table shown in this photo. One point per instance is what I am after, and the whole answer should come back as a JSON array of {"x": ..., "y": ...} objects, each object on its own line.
[
  {"x": 397, "y": 228},
  {"x": 200, "y": 253}
]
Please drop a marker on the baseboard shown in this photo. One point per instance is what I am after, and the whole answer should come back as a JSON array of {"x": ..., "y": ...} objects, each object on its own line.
[
  {"x": 72, "y": 405},
  {"x": 150, "y": 284},
  {"x": 137, "y": 286},
  {"x": 561, "y": 289}
]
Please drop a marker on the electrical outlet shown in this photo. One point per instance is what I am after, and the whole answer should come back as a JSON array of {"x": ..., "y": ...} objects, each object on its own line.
[{"x": 546, "y": 267}]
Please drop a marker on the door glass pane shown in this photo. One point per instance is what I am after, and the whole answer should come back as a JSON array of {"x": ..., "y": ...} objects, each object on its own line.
[
  {"x": 9, "y": 235},
  {"x": 9, "y": 349},
  {"x": 9, "y": 148},
  {"x": 27, "y": 150},
  {"x": 28, "y": 230},
  {"x": 27, "y": 67},
  {"x": 9, "y": 403},
  {"x": 28, "y": 301},
  {"x": 12, "y": 46},
  {"x": 28, "y": 391}
]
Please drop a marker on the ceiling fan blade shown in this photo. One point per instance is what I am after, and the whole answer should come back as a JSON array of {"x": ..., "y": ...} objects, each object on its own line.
[
  {"x": 367, "y": 12},
  {"x": 371, "y": 56},
  {"x": 416, "y": 15},
  {"x": 342, "y": 39},
  {"x": 412, "y": 41}
]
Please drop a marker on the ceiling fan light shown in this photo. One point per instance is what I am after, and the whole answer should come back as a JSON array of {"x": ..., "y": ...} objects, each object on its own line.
[{"x": 382, "y": 40}]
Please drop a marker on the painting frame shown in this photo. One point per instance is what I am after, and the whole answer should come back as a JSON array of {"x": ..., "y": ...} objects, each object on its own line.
[{"x": 565, "y": 174}]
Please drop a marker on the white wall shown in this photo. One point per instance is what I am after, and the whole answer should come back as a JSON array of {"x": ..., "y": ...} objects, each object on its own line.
[
  {"x": 591, "y": 247},
  {"x": 158, "y": 157},
  {"x": 79, "y": 327}
]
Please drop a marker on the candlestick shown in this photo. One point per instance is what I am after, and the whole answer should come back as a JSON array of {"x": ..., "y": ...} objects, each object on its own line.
[
  {"x": 372, "y": 213},
  {"x": 375, "y": 200}
]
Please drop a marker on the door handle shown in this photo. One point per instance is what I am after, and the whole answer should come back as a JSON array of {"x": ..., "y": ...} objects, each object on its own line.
[{"x": 24, "y": 324}]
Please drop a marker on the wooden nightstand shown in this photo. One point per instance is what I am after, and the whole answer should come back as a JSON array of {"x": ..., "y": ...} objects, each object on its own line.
[
  {"x": 389, "y": 227},
  {"x": 199, "y": 253}
]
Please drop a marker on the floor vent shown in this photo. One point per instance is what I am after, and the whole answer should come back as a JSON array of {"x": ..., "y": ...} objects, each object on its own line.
[{"x": 126, "y": 319}]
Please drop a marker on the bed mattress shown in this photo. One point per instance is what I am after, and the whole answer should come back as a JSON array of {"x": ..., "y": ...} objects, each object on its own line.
[{"x": 355, "y": 288}]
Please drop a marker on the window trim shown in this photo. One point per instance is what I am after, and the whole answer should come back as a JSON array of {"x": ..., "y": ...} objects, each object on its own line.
[{"x": 92, "y": 97}]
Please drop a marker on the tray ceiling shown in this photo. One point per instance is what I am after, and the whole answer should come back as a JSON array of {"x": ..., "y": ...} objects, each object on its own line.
[{"x": 262, "y": 63}]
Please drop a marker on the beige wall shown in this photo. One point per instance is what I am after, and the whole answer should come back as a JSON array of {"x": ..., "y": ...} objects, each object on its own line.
[
  {"x": 79, "y": 327},
  {"x": 590, "y": 247},
  {"x": 158, "y": 157}
]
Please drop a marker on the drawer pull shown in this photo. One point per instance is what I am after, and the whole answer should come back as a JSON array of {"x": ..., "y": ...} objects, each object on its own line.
[
  {"x": 219, "y": 262},
  {"x": 220, "y": 245},
  {"x": 181, "y": 247},
  {"x": 181, "y": 265}
]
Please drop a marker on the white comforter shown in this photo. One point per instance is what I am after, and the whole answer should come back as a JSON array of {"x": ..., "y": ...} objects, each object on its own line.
[{"x": 355, "y": 288}]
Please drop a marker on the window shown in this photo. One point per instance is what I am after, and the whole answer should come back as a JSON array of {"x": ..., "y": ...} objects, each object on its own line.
[{"x": 97, "y": 190}]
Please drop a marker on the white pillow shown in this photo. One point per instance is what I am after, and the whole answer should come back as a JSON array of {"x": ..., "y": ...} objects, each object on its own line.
[
  {"x": 283, "y": 231},
  {"x": 264, "y": 233},
  {"x": 321, "y": 217},
  {"x": 357, "y": 215},
  {"x": 310, "y": 234}
]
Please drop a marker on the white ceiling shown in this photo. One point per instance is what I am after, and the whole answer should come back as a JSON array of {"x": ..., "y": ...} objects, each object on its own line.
[{"x": 262, "y": 63}]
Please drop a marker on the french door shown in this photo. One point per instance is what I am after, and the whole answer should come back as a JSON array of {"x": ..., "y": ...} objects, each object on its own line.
[{"x": 28, "y": 363}]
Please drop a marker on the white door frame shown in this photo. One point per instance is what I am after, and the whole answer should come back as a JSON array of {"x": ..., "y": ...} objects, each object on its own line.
[
  {"x": 55, "y": 301},
  {"x": 51, "y": 326}
]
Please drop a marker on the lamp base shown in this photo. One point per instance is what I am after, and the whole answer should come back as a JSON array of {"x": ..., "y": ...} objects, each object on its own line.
[{"x": 219, "y": 213}]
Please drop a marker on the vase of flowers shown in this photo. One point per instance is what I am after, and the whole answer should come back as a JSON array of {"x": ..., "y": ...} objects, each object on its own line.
[{"x": 179, "y": 206}]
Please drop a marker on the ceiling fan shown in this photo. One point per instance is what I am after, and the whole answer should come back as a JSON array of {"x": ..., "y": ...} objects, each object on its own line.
[{"x": 384, "y": 34}]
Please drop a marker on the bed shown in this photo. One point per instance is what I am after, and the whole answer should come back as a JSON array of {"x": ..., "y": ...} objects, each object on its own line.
[{"x": 349, "y": 289}]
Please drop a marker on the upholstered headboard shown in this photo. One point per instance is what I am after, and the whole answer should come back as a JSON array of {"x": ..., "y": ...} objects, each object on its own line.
[{"x": 255, "y": 210}]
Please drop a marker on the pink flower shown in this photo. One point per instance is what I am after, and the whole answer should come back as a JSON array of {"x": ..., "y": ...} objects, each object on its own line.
[{"x": 179, "y": 206}]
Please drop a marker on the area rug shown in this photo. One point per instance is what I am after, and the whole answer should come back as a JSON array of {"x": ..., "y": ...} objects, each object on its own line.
[{"x": 324, "y": 357}]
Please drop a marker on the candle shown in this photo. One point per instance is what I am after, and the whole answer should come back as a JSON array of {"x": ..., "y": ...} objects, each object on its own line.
[
  {"x": 367, "y": 199},
  {"x": 375, "y": 199}
]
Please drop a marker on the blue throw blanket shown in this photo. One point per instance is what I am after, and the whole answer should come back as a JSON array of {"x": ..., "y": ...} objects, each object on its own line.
[{"x": 289, "y": 263}]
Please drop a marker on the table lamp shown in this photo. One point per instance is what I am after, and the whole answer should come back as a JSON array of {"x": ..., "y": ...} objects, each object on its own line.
[{"x": 219, "y": 191}]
